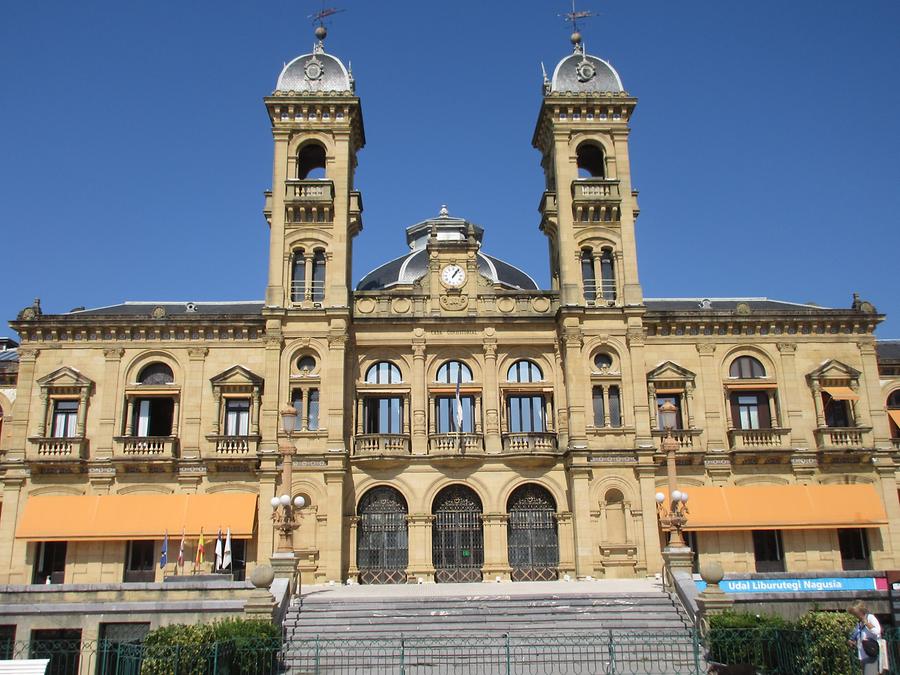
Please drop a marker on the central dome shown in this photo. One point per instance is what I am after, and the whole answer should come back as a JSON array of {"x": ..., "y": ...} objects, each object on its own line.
[
  {"x": 409, "y": 268},
  {"x": 581, "y": 72},
  {"x": 314, "y": 73}
]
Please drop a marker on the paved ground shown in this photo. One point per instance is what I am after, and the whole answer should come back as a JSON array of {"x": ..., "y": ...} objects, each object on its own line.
[{"x": 398, "y": 591}]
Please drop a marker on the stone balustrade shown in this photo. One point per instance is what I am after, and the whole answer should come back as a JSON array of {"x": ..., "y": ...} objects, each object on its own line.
[
  {"x": 381, "y": 444},
  {"x": 455, "y": 443},
  {"x": 742, "y": 439},
  {"x": 533, "y": 441}
]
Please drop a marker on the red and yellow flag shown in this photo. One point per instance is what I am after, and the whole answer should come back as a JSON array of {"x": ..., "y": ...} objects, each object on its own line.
[{"x": 198, "y": 560}]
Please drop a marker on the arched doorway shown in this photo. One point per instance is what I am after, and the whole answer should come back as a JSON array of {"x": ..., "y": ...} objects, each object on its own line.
[
  {"x": 457, "y": 538},
  {"x": 382, "y": 541},
  {"x": 532, "y": 536}
]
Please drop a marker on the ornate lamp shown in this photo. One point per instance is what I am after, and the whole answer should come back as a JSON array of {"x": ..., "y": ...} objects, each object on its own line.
[{"x": 674, "y": 518}]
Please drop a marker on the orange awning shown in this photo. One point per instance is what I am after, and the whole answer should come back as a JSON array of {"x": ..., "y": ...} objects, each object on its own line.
[
  {"x": 784, "y": 507},
  {"x": 841, "y": 393},
  {"x": 895, "y": 415},
  {"x": 142, "y": 516}
]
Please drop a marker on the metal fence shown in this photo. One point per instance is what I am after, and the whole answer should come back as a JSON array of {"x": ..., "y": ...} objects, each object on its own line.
[{"x": 766, "y": 651}]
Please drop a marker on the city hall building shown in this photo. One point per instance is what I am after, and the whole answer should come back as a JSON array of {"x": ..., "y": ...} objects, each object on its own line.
[{"x": 455, "y": 422}]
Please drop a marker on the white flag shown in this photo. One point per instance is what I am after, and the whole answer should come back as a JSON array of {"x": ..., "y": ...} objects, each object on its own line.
[
  {"x": 219, "y": 550},
  {"x": 226, "y": 558}
]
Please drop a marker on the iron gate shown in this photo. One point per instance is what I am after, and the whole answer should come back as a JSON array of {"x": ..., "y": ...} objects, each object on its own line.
[
  {"x": 457, "y": 536},
  {"x": 532, "y": 536},
  {"x": 382, "y": 542}
]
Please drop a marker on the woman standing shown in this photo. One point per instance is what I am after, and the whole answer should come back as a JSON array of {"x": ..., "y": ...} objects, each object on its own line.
[{"x": 865, "y": 637}]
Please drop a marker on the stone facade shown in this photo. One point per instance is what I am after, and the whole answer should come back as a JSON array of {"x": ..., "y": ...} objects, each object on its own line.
[{"x": 556, "y": 388}]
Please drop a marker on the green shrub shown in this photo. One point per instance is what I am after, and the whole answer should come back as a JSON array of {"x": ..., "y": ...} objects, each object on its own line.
[
  {"x": 754, "y": 639},
  {"x": 826, "y": 649},
  {"x": 185, "y": 649}
]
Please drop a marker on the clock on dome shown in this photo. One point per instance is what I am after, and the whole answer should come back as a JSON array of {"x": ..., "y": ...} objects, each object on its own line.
[{"x": 453, "y": 276}]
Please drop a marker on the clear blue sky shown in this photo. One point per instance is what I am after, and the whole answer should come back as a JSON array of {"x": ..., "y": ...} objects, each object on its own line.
[{"x": 134, "y": 145}]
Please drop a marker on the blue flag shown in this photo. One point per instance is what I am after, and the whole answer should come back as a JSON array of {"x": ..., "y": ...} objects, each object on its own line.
[{"x": 164, "y": 556}]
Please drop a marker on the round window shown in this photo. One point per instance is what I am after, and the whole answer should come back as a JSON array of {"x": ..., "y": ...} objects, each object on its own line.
[
  {"x": 603, "y": 361},
  {"x": 306, "y": 364}
]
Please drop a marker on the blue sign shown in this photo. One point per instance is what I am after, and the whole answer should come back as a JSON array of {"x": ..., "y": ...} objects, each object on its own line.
[{"x": 812, "y": 585}]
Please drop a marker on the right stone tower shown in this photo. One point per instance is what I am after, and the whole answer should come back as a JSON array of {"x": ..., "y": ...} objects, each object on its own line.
[{"x": 589, "y": 208}]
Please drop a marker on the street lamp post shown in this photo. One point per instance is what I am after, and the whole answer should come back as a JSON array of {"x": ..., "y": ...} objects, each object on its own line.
[
  {"x": 674, "y": 517},
  {"x": 284, "y": 509}
]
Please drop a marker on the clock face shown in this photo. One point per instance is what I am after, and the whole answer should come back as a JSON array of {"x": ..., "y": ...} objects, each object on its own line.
[{"x": 453, "y": 276}]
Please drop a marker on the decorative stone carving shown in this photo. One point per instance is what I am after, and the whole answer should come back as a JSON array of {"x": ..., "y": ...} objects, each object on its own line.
[
  {"x": 158, "y": 312},
  {"x": 742, "y": 309},
  {"x": 454, "y": 303},
  {"x": 705, "y": 348},
  {"x": 401, "y": 305},
  {"x": 365, "y": 305},
  {"x": 787, "y": 347}
]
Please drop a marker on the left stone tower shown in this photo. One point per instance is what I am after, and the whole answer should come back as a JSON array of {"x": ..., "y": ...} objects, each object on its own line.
[{"x": 313, "y": 211}]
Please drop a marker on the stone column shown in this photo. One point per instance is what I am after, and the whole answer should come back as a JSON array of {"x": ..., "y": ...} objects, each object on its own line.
[
  {"x": 193, "y": 404},
  {"x": 712, "y": 398},
  {"x": 269, "y": 421},
  {"x": 331, "y": 393},
  {"x": 330, "y": 552},
  {"x": 646, "y": 475},
  {"x": 791, "y": 392},
  {"x": 352, "y": 525},
  {"x": 492, "y": 439},
  {"x": 268, "y": 475},
  {"x": 566, "y": 533},
  {"x": 421, "y": 565},
  {"x": 886, "y": 472},
  {"x": 496, "y": 549},
  {"x": 82, "y": 412},
  {"x": 276, "y": 285},
  {"x": 605, "y": 389},
  {"x": 581, "y": 507},
  {"x": 418, "y": 395},
  {"x": 871, "y": 401},
  {"x": 21, "y": 409},
  {"x": 575, "y": 385}
]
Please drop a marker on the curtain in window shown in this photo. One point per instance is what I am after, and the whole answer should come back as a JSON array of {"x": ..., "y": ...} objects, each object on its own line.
[
  {"x": 142, "y": 428},
  {"x": 65, "y": 414},
  {"x": 526, "y": 414},
  {"x": 237, "y": 417}
]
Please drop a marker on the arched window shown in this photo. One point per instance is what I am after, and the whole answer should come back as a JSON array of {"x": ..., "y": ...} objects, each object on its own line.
[
  {"x": 306, "y": 364},
  {"x": 894, "y": 399},
  {"x": 156, "y": 373},
  {"x": 587, "y": 275},
  {"x": 746, "y": 368},
  {"x": 532, "y": 537},
  {"x": 453, "y": 372},
  {"x": 382, "y": 548},
  {"x": 591, "y": 163},
  {"x": 607, "y": 275},
  {"x": 311, "y": 162},
  {"x": 457, "y": 536},
  {"x": 383, "y": 372},
  {"x": 318, "y": 276},
  {"x": 524, "y": 371},
  {"x": 602, "y": 361},
  {"x": 616, "y": 529},
  {"x": 298, "y": 277}
]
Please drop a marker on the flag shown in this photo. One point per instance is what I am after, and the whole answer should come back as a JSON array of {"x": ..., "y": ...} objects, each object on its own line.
[
  {"x": 198, "y": 559},
  {"x": 459, "y": 405},
  {"x": 226, "y": 556},
  {"x": 219, "y": 550},
  {"x": 164, "y": 556},
  {"x": 180, "y": 561}
]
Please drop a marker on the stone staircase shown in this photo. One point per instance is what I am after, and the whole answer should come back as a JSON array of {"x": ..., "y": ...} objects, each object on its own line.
[{"x": 550, "y": 627}]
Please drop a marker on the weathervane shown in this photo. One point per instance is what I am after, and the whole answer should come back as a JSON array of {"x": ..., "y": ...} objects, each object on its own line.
[
  {"x": 574, "y": 17},
  {"x": 319, "y": 17}
]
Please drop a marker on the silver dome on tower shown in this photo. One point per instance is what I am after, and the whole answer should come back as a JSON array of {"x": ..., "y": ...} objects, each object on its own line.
[
  {"x": 316, "y": 72},
  {"x": 582, "y": 73}
]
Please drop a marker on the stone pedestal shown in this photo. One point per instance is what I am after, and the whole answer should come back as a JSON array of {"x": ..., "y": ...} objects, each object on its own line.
[
  {"x": 261, "y": 605},
  {"x": 284, "y": 565},
  {"x": 675, "y": 560},
  {"x": 713, "y": 599}
]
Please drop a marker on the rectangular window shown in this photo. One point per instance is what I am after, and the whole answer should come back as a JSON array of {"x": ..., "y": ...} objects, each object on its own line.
[
  {"x": 312, "y": 410},
  {"x": 446, "y": 422},
  {"x": 65, "y": 415},
  {"x": 50, "y": 563},
  {"x": 854, "y": 545},
  {"x": 750, "y": 410},
  {"x": 140, "y": 562},
  {"x": 837, "y": 413},
  {"x": 297, "y": 402},
  {"x": 526, "y": 414},
  {"x": 674, "y": 399},
  {"x": 768, "y": 551},
  {"x": 383, "y": 415},
  {"x": 7, "y": 642},
  {"x": 153, "y": 416},
  {"x": 237, "y": 417},
  {"x": 111, "y": 636},
  {"x": 62, "y": 647},
  {"x": 597, "y": 396},
  {"x": 615, "y": 407}
]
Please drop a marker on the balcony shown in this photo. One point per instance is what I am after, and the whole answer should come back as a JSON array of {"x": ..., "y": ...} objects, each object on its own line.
[
  {"x": 308, "y": 191},
  {"x": 685, "y": 437},
  {"x": 595, "y": 190},
  {"x": 233, "y": 446},
  {"x": 446, "y": 444},
  {"x": 58, "y": 449},
  {"x": 758, "y": 439},
  {"x": 529, "y": 442},
  {"x": 146, "y": 447},
  {"x": 842, "y": 438},
  {"x": 381, "y": 445}
]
